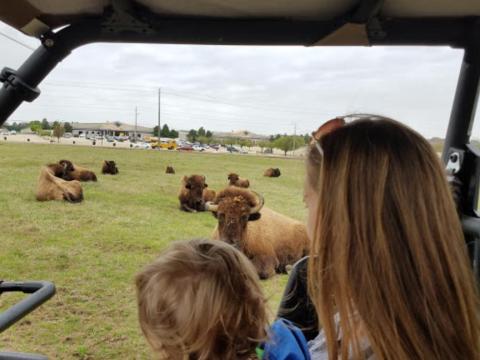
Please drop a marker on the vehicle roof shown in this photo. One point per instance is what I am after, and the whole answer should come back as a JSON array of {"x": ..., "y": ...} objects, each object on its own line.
[{"x": 326, "y": 22}]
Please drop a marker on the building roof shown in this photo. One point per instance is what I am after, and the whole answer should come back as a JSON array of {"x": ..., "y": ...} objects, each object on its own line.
[
  {"x": 239, "y": 134},
  {"x": 112, "y": 126}
]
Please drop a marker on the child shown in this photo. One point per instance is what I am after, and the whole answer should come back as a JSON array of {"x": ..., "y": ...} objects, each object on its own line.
[{"x": 202, "y": 300}]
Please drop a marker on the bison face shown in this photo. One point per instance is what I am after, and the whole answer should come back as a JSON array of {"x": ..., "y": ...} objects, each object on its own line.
[
  {"x": 234, "y": 208},
  {"x": 233, "y": 178},
  {"x": 195, "y": 185}
]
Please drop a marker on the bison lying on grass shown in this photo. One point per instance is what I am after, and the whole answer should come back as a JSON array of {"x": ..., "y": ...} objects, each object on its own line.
[
  {"x": 169, "y": 170},
  {"x": 235, "y": 180},
  {"x": 51, "y": 187},
  {"x": 269, "y": 239},
  {"x": 193, "y": 193},
  {"x": 272, "y": 172},
  {"x": 75, "y": 172},
  {"x": 109, "y": 167}
]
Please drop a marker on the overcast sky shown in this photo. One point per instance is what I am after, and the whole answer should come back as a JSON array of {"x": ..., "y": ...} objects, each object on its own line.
[{"x": 263, "y": 89}]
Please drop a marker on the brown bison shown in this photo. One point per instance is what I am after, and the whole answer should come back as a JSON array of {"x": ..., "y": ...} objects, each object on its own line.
[
  {"x": 235, "y": 180},
  {"x": 269, "y": 239},
  {"x": 51, "y": 187},
  {"x": 169, "y": 170},
  {"x": 272, "y": 172},
  {"x": 193, "y": 193},
  {"x": 109, "y": 167},
  {"x": 75, "y": 172}
]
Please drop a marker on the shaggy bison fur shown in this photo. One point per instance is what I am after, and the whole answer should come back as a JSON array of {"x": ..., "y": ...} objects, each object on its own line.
[
  {"x": 269, "y": 239},
  {"x": 272, "y": 172},
  {"x": 235, "y": 180},
  {"x": 193, "y": 192},
  {"x": 50, "y": 187},
  {"x": 109, "y": 167},
  {"x": 75, "y": 172},
  {"x": 169, "y": 170}
]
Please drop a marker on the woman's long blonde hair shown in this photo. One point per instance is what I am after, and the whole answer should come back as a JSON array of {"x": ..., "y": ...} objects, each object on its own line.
[{"x": 388, "y": 253}]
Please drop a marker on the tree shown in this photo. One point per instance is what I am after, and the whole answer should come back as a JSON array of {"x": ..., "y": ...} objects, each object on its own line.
[
  {"x": 45, "y": 124},
  {"x": 192, "y": 135},
  {"x": 173, "y": 134},
  {"x": 165, "y": 132},
  {"x": 35, "y": 125},
  {"x": 68, "y": 127},
  {"x": 201, "y": 131},
  {"x": 287, "y": 143},
  {"x": 209, "y": 134},
  {"x": 263, "y": 144},
  {"x": 58, "y": 130},
  {"x": 203, "y": 140}
]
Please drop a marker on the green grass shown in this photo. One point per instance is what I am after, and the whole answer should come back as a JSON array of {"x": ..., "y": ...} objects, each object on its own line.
[{"x": 93, "y": 250}]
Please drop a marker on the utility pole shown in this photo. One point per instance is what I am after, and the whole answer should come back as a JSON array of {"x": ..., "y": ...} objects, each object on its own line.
[
  {"x": 159, "y": 96},
  {"x": 136, "y": 118},
  {"x": 294, "y": 136}
]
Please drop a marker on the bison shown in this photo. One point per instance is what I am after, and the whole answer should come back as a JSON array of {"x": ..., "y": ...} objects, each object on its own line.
[
  {"x": 51, "y": 187},
  {"x": 193, "y": 193},
  {"x": 75, "y": 172},
  {"x": 169, "y": 170},
  {"x": 272, "y": 172},
  {"x": 269, "y": 239},
  {"x": 109, "y": 167},
  {"x": 235, "y": 180}
]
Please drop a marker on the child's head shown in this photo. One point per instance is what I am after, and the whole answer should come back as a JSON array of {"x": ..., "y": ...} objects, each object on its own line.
[{"x": 201, "y": 300}]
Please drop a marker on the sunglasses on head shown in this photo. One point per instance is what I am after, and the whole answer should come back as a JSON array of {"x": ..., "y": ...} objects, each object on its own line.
[{"x": 325, "y": 129}]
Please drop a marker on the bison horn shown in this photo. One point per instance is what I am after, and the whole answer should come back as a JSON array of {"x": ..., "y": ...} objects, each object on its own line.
[
  {"x": 210, "y": 206},
  {"x": 261, "y": 202}
]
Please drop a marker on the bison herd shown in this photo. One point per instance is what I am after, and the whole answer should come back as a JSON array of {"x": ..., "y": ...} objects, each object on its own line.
[
  {"x": 61, "y": 180},
  {"x": 269, "y": 239}
]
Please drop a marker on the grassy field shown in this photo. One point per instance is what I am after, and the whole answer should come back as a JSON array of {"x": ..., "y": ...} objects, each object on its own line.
[{"x": 92, "y": 250}]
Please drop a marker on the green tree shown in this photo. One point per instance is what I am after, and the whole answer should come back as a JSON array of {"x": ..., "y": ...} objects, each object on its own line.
[
  {"x": 209, "y": 134},
  {"x": 201, "y": 131},
  {"x": 173, "y": 134},
  {"x": 68, "y": 127},
  {"x": 263, "y": 144},
  {"x": 165, "y": 132},
  {"x": 192, "y": 135},
  {"x": 45, "y": 124},
  {"x": 35, "y": 125},
  {"x": 288, "y": 143},
  {"x": 58, "y": 130}
]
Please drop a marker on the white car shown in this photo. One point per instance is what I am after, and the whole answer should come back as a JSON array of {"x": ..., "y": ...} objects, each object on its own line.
[
  {"x": 142, "y": 145},
  {"x": 198, "y": 148},
  {"x": 13, "y": 132}
]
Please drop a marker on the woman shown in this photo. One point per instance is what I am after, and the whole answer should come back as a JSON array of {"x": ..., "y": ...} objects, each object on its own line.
[{"x": 388, "y": 273}]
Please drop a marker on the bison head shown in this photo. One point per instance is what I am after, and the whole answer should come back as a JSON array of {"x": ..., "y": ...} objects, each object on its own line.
[
  {"x": 194, "y": 186},
  {"x": 109, "y": 167},
  {"x": 233, "y": 178},
  {"x": 234, "y": 208}
]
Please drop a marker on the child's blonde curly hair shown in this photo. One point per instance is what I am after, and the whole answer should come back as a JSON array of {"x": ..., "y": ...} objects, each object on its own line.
[{"x": 201, "y": 300}]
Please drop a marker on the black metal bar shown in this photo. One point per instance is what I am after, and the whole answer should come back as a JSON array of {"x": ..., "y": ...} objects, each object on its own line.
[
  {"x": 466, "y": 96},
  {"x": 21, "y": 356},
  {"x": 40, "y": 292}
]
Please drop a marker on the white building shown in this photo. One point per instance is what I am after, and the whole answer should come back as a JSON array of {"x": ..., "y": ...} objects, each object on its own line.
[{"x": 110, "y": 128}]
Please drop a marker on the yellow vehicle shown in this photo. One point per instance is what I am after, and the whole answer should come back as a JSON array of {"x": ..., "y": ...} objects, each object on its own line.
[{"x": 169, "y": 144}]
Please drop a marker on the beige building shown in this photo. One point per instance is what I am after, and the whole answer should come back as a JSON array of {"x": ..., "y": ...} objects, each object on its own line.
[{"x": 111, "y": 129}]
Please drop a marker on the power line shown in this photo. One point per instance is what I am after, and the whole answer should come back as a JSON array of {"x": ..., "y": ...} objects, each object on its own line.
[{"x": 17, "y": 41}]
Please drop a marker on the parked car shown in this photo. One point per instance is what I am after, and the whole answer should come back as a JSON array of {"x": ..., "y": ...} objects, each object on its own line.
[
  {"x": 232, "y": 149},
  {"x": 142, "y": 145},
  {"x": 82, "y": 135},
  {"x": 13, "y": 132},
  {"x": 67, "y": 135},
  {"x": 185, "y": 148},
  {"x": 198, "y": 148}
]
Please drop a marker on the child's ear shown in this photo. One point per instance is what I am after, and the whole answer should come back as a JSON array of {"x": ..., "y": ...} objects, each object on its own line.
[{"x": 253, "y": 217}]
